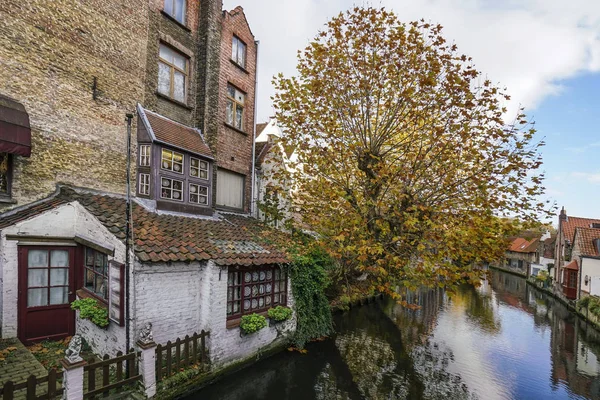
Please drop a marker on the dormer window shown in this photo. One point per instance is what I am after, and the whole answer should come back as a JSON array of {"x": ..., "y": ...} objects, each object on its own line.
[{"x": 172, "y": 161}]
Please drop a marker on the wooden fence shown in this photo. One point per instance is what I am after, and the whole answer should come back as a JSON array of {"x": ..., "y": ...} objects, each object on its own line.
[
  {"x": 183, "y": 353},
  {"x": 111, "y": 374},
  {"x": 30, "y": 387}
]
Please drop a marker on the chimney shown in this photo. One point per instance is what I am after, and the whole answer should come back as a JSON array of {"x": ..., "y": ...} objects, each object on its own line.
[{"x": 562, "y": 216}]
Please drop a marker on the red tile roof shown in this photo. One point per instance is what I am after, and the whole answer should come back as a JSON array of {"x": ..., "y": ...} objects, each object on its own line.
[
  {"x": 521, "y": 245},
  {"x": 572, "y": 265},
  {"x": 232, "y": 240},
  {"x": 569, "y": 225},
  {"x": 176, "y": 134},
  {"x": 549, "y": 247},
  {"x": 585, "y": 237}
]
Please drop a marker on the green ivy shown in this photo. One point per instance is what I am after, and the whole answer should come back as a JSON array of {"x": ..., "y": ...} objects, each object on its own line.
[
  {"x": 308, "y": 273},
  {"x": 252, "y": 323},
  {"x": 90, "y": 309},
  {"x": 279, "y": 313}
]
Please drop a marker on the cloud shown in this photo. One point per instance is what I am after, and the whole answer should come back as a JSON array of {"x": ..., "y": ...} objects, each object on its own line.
[
  {"x": 582, "y": 149},
  {"x": 529, "y": 46},
  {"x": 589, "y": 177}
]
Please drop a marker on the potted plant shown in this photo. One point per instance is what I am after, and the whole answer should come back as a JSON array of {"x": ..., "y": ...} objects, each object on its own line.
[
  {"x": 279, "y": 314},
  {"x": 252, "y": 323}
]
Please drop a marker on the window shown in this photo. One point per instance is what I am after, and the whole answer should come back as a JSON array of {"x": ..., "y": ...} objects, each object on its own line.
[
  {"x": 47, "y": 277},
  {"x": 176, "y": 9},
  {"x": 144, "y": 187},
  {"x": 198, "y": 194},
  {"x": 5, "y": 174},
  {"x": 256, "y": 290},
  {"x": 144, "y": 155},
  {"x": 172, "y": 73},
  {"x": 230, "y": 189},
  {"x": 172, "y": 161},
  {"x": 198, "y": 168},
  {"x": 235, "y": 107},
  {"x": 238, "y": 52},
  {"x": 96, "y": 273},
  {"x": 171, "y": 189}
]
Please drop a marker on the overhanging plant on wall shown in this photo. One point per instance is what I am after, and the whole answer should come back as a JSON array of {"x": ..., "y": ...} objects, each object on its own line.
[
  {"x": 90, "y": 309},
  {"x": 252, "y": 323}
]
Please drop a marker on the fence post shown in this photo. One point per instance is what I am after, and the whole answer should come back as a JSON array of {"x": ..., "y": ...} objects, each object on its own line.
[
  {"x": 148, "y": 366},
  {"x": 73, "y": 379}
]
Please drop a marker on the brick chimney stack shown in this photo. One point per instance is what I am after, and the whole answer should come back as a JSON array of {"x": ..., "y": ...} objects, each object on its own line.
[{"x": 563, "y": 215}]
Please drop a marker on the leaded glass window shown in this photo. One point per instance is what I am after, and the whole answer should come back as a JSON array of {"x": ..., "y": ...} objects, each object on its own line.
[{"x": 255, "y": 290}]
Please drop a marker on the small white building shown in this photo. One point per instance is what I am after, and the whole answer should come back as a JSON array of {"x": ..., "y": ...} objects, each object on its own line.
[{"x": 186, "y": 274}]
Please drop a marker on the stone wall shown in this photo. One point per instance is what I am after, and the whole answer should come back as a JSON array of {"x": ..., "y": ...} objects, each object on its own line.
[
  {"x": 233, "y": 148},
  {"x": 50, "y": 53}
]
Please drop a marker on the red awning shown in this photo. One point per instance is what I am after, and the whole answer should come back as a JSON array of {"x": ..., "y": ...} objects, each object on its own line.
[
  {"x": 15, "y": 133},
  {"x": 572, "y": 265}
]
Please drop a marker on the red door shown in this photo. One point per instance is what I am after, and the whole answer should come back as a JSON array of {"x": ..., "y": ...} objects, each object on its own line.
[{"x": 45, "y": 292}]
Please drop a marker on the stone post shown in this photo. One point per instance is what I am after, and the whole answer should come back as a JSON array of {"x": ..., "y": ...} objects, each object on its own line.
[
  {"x": 72, "y": 379},
  {"x": 148, "y": 367}
]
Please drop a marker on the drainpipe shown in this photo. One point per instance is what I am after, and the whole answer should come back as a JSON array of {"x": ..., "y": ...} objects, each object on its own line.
[
  {"x": 127, "y": 236},
  {"x": 252, "y": 199}
]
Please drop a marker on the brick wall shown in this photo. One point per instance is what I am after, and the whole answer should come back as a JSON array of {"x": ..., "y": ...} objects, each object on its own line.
[
  {"x": 234, "y": 148},
  {"x": 50, "y": 52}
]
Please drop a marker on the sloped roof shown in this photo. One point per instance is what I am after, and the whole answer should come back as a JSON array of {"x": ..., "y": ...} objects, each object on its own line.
[
  {"x": 549, "y": 247},
  {"x": 175, "y": 134},
  {"x": 571, "y": 223},
  {"x": 521, "y": 245},
  {"x": 572, "y": 265},
  {"x": 232, "y": 240},
  {"x": 260, "y": 127},
  {"x": 585, "y": 237}
]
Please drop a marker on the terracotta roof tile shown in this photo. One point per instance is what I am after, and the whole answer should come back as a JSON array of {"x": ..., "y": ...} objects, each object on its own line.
[
  {"x": 177, "y": 135},
  {"x": 572, "y": 265},
  {"x": 232, "y": 240},
  {"x": 571, "y": 223},
  {"x": 521, "y": 245},
  {"x": 585, "y": 237}
]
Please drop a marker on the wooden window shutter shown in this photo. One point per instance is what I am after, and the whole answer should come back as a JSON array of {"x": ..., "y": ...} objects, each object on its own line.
[{"x": 116, "y": 285}]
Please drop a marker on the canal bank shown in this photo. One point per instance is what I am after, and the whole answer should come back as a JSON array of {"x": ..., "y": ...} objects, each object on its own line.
[{"x": 502, "y": 340}]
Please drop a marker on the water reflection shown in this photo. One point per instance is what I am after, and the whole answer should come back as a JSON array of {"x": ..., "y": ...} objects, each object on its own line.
[{"x": 502, "y": 340}]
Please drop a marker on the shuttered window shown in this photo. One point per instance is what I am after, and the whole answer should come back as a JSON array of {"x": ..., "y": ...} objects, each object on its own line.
[{"x": 230, "y": 189}]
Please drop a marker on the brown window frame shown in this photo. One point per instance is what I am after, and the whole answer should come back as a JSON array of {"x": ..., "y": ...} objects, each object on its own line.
[
  {"x": 172, "y": 15},
  {"x": 236, "y": 104},
  {"x": 86, "y": 268},
  {"x": 240, "y": 283},
  {"x": 173, "y": 68}
]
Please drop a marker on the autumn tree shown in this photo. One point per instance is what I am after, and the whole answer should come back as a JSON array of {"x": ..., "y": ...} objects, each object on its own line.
[{"x": 406, "y": 165}]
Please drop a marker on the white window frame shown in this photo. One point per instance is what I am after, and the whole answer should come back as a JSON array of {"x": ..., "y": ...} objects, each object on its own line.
[
  {"x": 238, "y": 51},
  {"x": 171, "y": 188},
  {"x": 145, "y": 156},
  {"x": 172, "y": 161},
  {"x": 144, "y": 184},
  {"x": 198, "y": 186},
  {"x": 207, "y": 169}
]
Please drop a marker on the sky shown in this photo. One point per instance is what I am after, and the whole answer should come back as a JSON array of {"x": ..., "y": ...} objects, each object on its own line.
[{"x": 546, "y": 52}]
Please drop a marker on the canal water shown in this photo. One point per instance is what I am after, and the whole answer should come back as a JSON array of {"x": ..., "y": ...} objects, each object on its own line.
[{"x": 502, "y": 340}]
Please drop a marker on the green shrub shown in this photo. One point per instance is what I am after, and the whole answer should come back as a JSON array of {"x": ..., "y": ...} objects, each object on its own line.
[
  {"x": 252, "y": 323},
  {"x": 584, "y": 302},
  {"x": 90, "y": 309},
  {"x": 280, "y": 313},
  {"x": 542, "y": 276},
  {"x": 308, "y": 273}
]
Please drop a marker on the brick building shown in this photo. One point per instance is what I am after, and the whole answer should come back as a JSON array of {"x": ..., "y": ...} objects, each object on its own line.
[{"x": 70, "y": 73}]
